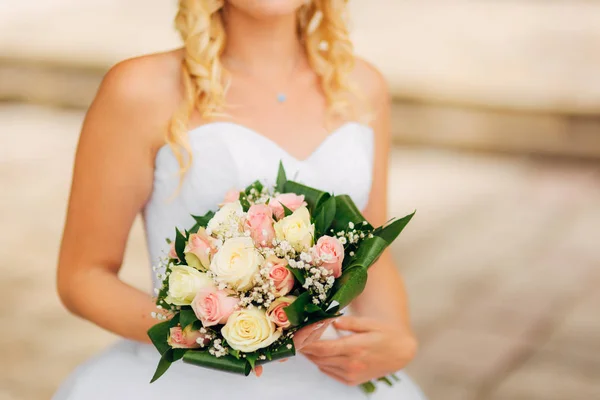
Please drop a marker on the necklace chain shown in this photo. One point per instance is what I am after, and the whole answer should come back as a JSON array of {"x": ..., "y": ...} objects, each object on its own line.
[{"x": 281, "y": 95}]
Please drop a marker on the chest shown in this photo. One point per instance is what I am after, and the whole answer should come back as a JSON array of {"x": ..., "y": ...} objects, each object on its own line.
[{"x": 297, "y": 124}]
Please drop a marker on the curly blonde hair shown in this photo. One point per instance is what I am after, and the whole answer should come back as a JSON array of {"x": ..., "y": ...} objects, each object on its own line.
[{"x": 321, "y": 27}]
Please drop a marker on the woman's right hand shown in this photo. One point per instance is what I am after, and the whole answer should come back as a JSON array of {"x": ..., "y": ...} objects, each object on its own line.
[
  {"x": 310, "y": 334},
  {"x": 304, "y": 337}
]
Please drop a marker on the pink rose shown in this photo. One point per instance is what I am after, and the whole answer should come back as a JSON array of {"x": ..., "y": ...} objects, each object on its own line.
[
  {"x": 290, "y": 200},
  {"x": 184, "y": 339},
  {"x": 276, "y": 312},
  {"x": 282, "y": 277},
  {"x": 331, "y": 253},
  {"x": 213, "y": 306},
  {"x": 199, "y": 250},
  {"x": 259, "y": 221},
  {"x": 231, "y": 196},
  {"x": 172, "y": 253}
]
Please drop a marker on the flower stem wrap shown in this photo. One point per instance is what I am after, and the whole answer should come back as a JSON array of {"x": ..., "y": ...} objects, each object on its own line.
[{"x": 232, "y": 364}]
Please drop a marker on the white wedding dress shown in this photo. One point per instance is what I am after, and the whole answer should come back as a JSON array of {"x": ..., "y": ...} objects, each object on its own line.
[{"x": 227, "y": 155}]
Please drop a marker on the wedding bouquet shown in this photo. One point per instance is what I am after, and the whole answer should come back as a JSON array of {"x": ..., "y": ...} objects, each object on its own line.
[{"x": 244, "y": 279}]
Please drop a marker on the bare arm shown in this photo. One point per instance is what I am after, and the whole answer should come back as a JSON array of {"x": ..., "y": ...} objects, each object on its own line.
[{"x": 112, "y": 180}]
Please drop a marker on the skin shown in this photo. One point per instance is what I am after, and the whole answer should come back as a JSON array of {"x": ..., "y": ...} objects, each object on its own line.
[{"x": 125, "y": 127}]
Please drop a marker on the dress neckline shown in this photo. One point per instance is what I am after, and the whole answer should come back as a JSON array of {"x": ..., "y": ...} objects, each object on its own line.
[{"x": 202, "y": 128}]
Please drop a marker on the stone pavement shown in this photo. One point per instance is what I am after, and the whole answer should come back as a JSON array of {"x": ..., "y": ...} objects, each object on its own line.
[{"x": 502, "y": 263}]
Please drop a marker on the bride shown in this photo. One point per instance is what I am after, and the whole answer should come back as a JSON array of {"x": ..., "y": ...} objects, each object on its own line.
[{"x": 257, "y": 82}]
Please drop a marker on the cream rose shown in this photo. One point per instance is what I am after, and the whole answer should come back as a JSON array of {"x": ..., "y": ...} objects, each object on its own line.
[
  {"x": 236, "y": 263},
  {"x": 296, "y": 229},
  {"x": 184, "y": 283},
  {"x": 227, "y": 220},
  {"x": 248, "y": 330}
]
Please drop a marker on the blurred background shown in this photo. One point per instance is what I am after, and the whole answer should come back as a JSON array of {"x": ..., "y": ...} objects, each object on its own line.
[{"x": 497, "y": 129}]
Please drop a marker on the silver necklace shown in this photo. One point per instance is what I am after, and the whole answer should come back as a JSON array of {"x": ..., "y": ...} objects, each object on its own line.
[{"x": 280, "y": 95}]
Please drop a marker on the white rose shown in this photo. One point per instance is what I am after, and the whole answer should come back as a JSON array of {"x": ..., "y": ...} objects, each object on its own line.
[
  {"x": 236, "y": 263},
  {"x": 248, "y": 330},
  {"x": 226, "y": 221},
  {"x": 184, "y": 283},
  {"x": 296, "y": 229}
]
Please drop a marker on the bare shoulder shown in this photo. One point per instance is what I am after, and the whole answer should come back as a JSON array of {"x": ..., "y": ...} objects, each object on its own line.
[
  {"x": 146, "y": 78},
  {"x": 142, "y": 92},
  {"x": 371, "y": 83}
]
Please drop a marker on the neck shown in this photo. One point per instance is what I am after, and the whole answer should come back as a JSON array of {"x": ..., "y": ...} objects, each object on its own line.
[{"x": 267, "y": 45}]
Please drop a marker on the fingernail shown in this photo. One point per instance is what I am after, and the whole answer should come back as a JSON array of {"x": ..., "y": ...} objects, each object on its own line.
[{"x": 318, "y": 326}]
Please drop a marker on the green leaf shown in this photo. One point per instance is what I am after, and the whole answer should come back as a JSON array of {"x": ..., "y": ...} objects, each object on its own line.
[
  {"x": 197, "y": 325},
  {"x": 286, "y": 211},
  {"x": 251, "y": 358},
  {"x": 178, "y": 354},
  {"x": 313, "y": 197},
  {"x": 391, "y": 231},
  {"x": 325, "y": 216},
  {"x": 235, "y": 353},
  {"x": 368, "y": 252},
  {"x": 296, "y": 312},
  {"x": 370, "y": 249},
  {"x": 257, "y": 185},
  {"x": 187, "y": 317},
  {"x": 346, "y": 211},
  {"x": 312, "y": 308},
  {"x": 163, "y": 365},
  {"x": 297, "y": 274},
  {"x": 180, "y": 241},
  {"x": 316, "y": 313},
  {"x": 349, "y": 286},
  {"x": 280, "y": 352},
  {"x": 174, "y": 321},
  {"x": 368, "y": 387},
  {"x": 226, "y": 363},
  {"x": 159, "y": 335},
  {"x": 244, "y": 201},
  {"x": 164, "y": 291},
  {"x": 281, "y": 179},
  {"x": 202, "y": 220}
]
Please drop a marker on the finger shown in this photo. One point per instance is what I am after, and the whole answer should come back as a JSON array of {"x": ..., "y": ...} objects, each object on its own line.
[
  {"x": 258, "y": 371},
  {"x": 283, "y": 360},
  {"x": 347, "y": 345},
  {"x": 310, "y": 334},
  {"x": 339, "y": 362},
  {"x": 355, "y": 324},
  {"x": 316, "y": 334},
  {"x": 304, "y": 333}
]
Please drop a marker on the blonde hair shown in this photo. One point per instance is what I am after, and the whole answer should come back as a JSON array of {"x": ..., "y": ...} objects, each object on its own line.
[{"x": 321, "y": 27}]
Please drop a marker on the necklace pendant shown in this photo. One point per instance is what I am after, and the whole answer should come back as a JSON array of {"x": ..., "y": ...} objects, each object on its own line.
[{"x": 281, "y": 97}]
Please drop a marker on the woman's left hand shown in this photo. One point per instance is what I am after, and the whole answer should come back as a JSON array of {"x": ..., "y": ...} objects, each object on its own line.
[{"x": 373, "y": 350}]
